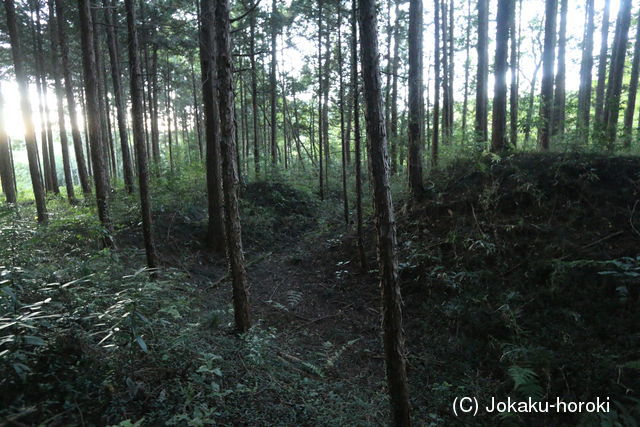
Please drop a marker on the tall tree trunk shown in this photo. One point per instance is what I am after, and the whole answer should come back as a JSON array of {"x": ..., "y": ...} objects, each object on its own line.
[
  {"x": 93, "y": 114},
  {"x": 25, "y": 104},
  {"x": 153, "y": 105},
  {"x": 140, "y": 146},
  {"x": 230, "y": 177},
  {"x": 467, "y": 66},
  {"x": 55, "y": 71},
  {"x": 416, "y": 100},
  {"x": 633, "y": 90},
  {"x": 345, "y": 197},
  {"x": 215, "y": 234},
  {"x": 602, "y": 67},
  {"x": 482, "y": 76},
  {"x": 515, "y": 58},
  {"x": 499, "y": 119},
  {"x": 393, "y": 126},
  {"x": 41, "y": 83},
  {"x": 7, "y": 173},
  {"x": 71, "y": 102},
  {"x": 451, "y": 70},
  {"x": 325, "y": 106},
  {"x": 254, "y": 93},
  {"x": 586, "y": 70},
  {"x": 320, "y": 109},
  {"x": 274, "y": 130},
  {"x": 116, "y": 77},
  {"x": 548, "y": 62},
  {"x": 435, "y": 133},
  {"x": 616, "y": 73},
  {"x": 196, "y": 111},
  {"x": 559, "y": 99},
  {"x": 446, "y": 126},
  {"x": 355, "y": 90},
  {"x": 385, "y": 220}
]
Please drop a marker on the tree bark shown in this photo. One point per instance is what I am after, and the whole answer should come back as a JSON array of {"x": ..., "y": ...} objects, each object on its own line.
[
  {"x": 514, "y": 65},
  {"x": 481, "y": 125},
  {"x": 616, "y": 73},
  {"x": 385, "y": 220},
  {"x": 446, "y": 125},
  {"x": 71, "y": 102},
  {"x": 435, "y": 132},
  {"x": 499, "y": 120},
  {"x": 343, "y": 144},
  {"x": 559, "y": 99},
  {"x": 633, "y": 90},
  {"x": 25, "y": 105},
  {"x": 93, "y": 115},
  {"x": 230, "y": 177},
  {"x": 274, "y": 129},
  {"x": 55, "y": 71},
  {"x": 116, "y": 77},
  {"x": 602, "y": 67},
  {"x": 355, "y": 105},
  {"x": 416, "y": 100},
  {"x": 140, "y": 146},
  {"x": 393, "y": 126},
  {"x": 320, "y": 102},
  {"x": 586, "y": 70},
  {"x": 467, "y": 66},
  {"x": 215, "y": 234},
  {"x": 548, "y": 62},
  {"x": 7, "y": 174}
]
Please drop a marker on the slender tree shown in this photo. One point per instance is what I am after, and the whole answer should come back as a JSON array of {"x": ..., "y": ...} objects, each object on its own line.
[
  {"x": 548, "y": 61},
  {"x": 586, "y": 72},
  {"x": 254, "y": 92},
  {"x": 385, "y": 221},
  {"x": 499, "y": 123},
  {"x": 93, "y": 116},
  {"x": 355, "y": 105},
  {"x": 136, "y": 87},
  {"x": 81, "y": 164},
  {"x": 482, "y": 72},
  {"x": 320, "y": 103},
  {"x": 559, "y": 98},
  {"x": 514, "y": 63},
  {"x": 230, "y": 177},
  {"x": 602, "y": 67},
  {"x": 273, "y": 82},
  {"x": 7, "y": 174},
  {"x": 343, "y": 143},
  {"x": 215, "y": 233},
  {"x": 110, "y": 16},
  {"x": 435, "y": 134},
  {"x": 444, "y": 56},
  {"x": 55, "y": 71},
  {"x": 416, "y": 100},
  {"x": 25, "y": 105},
  {"x": 633, "y": 89},
  {"x": 467, "y": 67},
  {"x": 616, "y": 73}
]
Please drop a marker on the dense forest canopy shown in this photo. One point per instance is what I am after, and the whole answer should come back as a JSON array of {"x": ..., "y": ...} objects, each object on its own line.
[{"x": 168, "y": 146}]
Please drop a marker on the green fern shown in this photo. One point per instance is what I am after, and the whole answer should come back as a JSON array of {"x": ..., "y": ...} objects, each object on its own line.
[{"x": 526, "y": 383}]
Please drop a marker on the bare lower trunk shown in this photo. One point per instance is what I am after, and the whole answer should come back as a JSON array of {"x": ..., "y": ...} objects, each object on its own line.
[
  {"x": 230, "y": 176},
  {"x": 93, "y": 116},
  {"x": 136, "y": 85},
  {"x": 385, "y": 219}
]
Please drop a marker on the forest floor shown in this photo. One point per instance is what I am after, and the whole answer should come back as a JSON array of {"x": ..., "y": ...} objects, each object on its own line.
[{"x": 520, "y": 278}]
